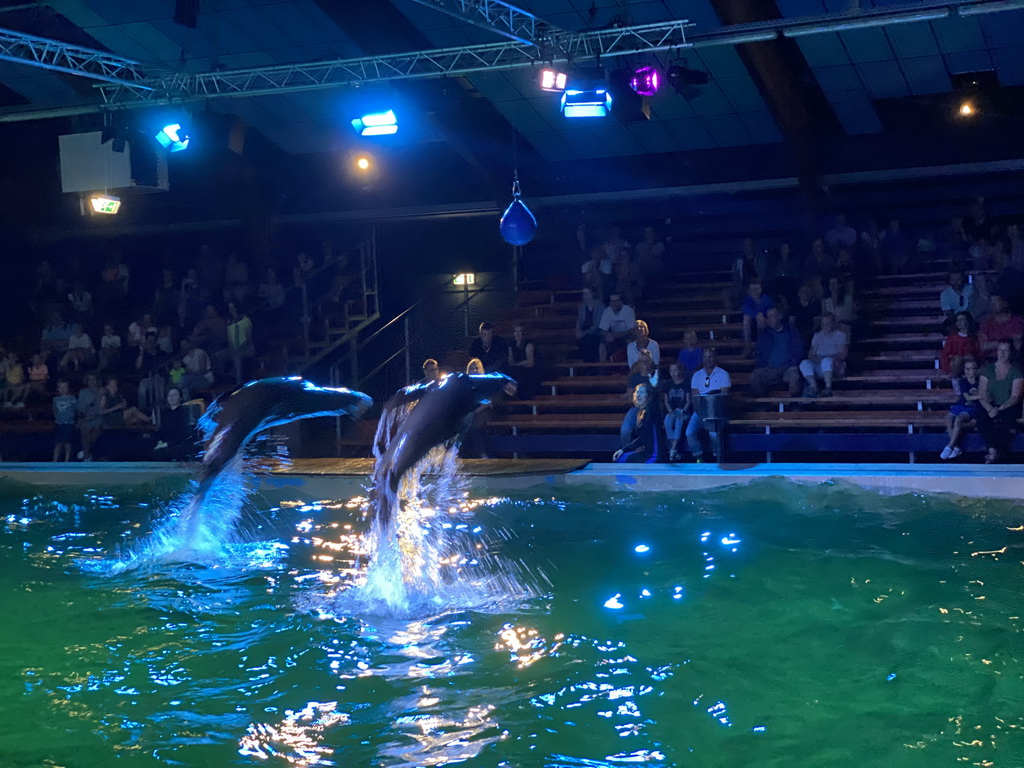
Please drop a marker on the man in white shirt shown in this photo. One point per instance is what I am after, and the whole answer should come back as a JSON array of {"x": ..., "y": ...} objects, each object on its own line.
[
  {"x": 827, "y": 357},
  {"x": 709, "y": 380},
  {"x": 642, "y": 341},
  {"x": 958, "y": 296},
  {"x": 617, "y": 325}
]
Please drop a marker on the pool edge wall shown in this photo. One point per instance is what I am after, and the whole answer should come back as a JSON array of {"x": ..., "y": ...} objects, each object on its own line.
[{"x": 975, "y": 481}]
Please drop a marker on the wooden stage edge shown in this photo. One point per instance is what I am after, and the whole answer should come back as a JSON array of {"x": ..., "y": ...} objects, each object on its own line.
[{"x": 472, "y": 467}]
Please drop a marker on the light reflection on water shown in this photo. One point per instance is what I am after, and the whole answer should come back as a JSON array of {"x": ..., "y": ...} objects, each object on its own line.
[{"x": 833, "y": 626}]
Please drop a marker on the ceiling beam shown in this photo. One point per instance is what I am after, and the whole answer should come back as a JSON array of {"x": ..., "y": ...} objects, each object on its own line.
[
  {"x": 493, "y": 15},
  {"x": 72, "y": 59},
  {"x": 130, "y": 88}
]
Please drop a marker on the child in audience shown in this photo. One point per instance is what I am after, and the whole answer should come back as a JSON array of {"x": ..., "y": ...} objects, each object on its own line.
[
  {"x": 691, "y": 356},
  {"x": 963, "y": 415},
  {"x": 65, "y": 406},
  {"x": 675, "y": 400},
  {"x": 960, "y": 345},
  {"x": 110, "y": 348},
  {"x": 17, "y": 388},
  {"x": 38, "y": 374}
]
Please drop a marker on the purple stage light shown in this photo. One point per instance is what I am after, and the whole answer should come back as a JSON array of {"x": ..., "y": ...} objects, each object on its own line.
[{"x": 645, "y": 81}]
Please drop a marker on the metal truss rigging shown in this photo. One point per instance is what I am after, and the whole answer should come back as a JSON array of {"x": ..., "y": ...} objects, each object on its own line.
[
  {"x": 128, "y": 84},
  {"x": 557, "y": 46},
  {"x": 494, "y": 15},
  {"x": 63, "y": 57}
]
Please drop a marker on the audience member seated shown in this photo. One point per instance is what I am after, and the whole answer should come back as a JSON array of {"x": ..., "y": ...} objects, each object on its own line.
[
  {"x": 842, "y": 235},
  {"x": 805, "y": 311},
  {"x": 38, "y": 374},
  {"x": 964, "y": 414},
  {"x": 473, "y": 441},
  {"x": 17, "y": 388},
  {"x": 959, "y": 345},
  {"x": 65, "y": 406},
  {"x": 492, "y": 350},
  {"x": 139, "y": 328},
  {"x": 779, "y": 352},
  {"x": 54, "y": 338},
  {"x": 81, "y": 351},
  {"x": 957, "y": 296},
  {"x": 871, "y": 247},
  {"x": 826, "y": 359},
  {"x": 675, "y": 402},
  {"x": 645, "y": 444},
  {"x": 166, "y": 298},
  {"x": 624, "y": 275},
  {"x": 165, "y": 340},
  {"x": 110, "y": 349},
  {"x": 431, "y": 372},
  {"x": 643, "y": 371},
  {"x": 1000, "y": 393},
  {"x": 819, "y": 267},
  {"x": 597, "y": 272},
  {"x": 841, "y": 305},
  {"x": 236, "y": 280},
  {"x": 649, "y": 258},
  {"x": 198, "y": 371},
  {"x": 642, "y": 340},
  {"x": 81, "y": 302},
  {"x": 896, "y": 248},
  {"x": 524, "y": 365},
  {"x": 176, "y": 435},
  {"x": 617, "y": 324},
  {"x": 90, "y": 420},
  {"x": 784, "y": 276},
  {"x": 691, "y": 355},
  {"x": 1000, "y": 325},
  {"x": 588, "y": 326},
  {"x": 240, "y": 341},
  {"x": 192, "y": 300},
  {"x": 210, "y": 333},
  {"x": 709, "y": 380},
  {"x": 115, "y": 411},
  {"x": 755, "y": 306}
]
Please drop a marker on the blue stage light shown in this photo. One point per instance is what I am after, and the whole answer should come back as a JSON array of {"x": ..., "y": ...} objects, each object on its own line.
[
  {"x": 579, "y": 102},
  {"x": 376, "y": 124},
  {"x": 172, "y": 137}
]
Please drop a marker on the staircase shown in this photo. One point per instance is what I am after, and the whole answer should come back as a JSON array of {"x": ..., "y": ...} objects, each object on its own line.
[{"x": 339, "y": 300}]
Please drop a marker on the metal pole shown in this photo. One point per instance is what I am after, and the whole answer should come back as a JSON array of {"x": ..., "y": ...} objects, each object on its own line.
[
  {"x": 408, "y": 353},
  {"x": 465, "y": 306}
]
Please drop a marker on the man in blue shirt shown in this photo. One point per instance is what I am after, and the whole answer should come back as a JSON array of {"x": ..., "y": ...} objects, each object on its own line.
[
  {"x": 779, "y": 351},
  {"x": 755, "y": 306}
]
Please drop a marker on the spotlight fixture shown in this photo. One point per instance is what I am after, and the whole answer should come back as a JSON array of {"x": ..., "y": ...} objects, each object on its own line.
[
  {"x": 552, "y": 79},
  {"x": 107, "y": 204},
  {"x": 172, "y": 137},
  {"x": 685, "y": 80},
  {"x": 645, "y": 81},
  {"x": 376, "y": 124},
  {"x": 967, "y": 109},
  {"x": 587, "y": 95},
  {"x": 363, "y": 163}
]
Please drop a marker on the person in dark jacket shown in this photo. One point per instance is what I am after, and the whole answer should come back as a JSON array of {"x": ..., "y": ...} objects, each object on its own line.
[
  {"x": 647, "y": 444},
  {"x": 779, "y": 352},
  {"x": 176, "y": 436}
]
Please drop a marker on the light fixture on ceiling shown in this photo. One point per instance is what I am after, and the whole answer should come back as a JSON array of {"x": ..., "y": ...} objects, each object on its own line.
[
  {"x": 587, "y": 95},
  {"x": 363, "y": 163},
  {"x": 552, "y": 79},
  {"x": 173, "y": 137},
  {"x": 376, "y": 124},
  {"x": 686, "y": 80},
  {"x": 645, "y": 81},
  {"x": 967, "y": 109}
]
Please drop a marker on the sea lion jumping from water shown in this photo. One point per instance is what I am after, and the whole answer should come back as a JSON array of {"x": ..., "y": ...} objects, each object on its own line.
[
  {"x": 234, "y": 419},
  {"x": 442, "y": 411}
]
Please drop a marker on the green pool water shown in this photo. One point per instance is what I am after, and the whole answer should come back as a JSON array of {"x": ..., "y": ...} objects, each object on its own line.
[{"x": 768, "y": 625}]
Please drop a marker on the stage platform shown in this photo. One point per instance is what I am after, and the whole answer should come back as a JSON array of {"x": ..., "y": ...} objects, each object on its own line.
[{"x": 341, "y": 478}]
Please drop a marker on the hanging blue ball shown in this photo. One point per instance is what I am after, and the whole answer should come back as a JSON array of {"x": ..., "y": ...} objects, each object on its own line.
[{"x": 518, "y": 225}]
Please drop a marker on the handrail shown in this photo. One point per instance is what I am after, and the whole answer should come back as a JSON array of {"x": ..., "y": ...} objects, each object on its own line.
[{"x": 469, "y": 297}]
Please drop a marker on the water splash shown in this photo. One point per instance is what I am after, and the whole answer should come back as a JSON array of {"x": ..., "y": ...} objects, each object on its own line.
[{"x": 201, "y": 527}]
